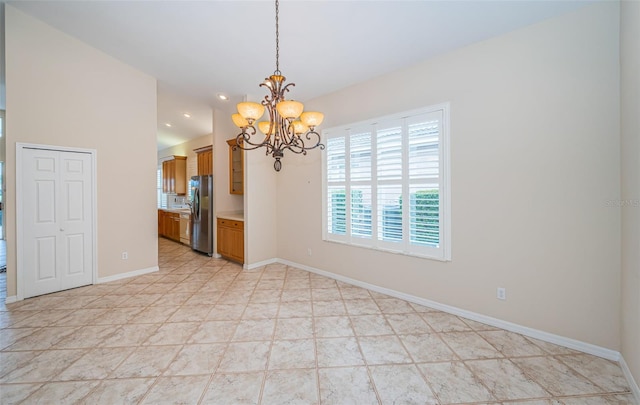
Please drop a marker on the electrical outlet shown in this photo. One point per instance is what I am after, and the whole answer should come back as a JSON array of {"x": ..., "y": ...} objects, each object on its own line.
[
  {"x": 502, "y": 293},
  {"x": 125, "y": 255},
  {"x": 309, "y": 251}
]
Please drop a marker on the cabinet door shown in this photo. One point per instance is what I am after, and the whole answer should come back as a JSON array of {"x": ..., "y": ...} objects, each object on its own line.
[
  {"x": 171, "y": 232},
  {"x": 180, "y": 175},
  {"x": 204, "y": 163},
  {"x": 231, "y": 239},
  {"x": 165, "y": 177},
  {"x": 223, "y": 239},
  {"x": 200, "y": 164},
  {"x": 209, "y": 162},
  {"x": 171, "y": 176},
  {"x": 174, "y": 175},
  {"x": 236, "y": 169},
  {"x": 236, "y": 237}
]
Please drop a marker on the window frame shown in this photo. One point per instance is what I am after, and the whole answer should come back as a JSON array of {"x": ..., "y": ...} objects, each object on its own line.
[
  {"x": 443, "y": 251},
  {"x": 161, "y": 196}
]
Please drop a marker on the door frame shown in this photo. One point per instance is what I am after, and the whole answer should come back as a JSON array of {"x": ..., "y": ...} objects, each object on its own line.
[{"x": 20, "y": 147}]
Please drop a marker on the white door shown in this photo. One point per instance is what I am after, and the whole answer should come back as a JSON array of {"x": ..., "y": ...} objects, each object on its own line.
[{"x": 57, "y": 235}]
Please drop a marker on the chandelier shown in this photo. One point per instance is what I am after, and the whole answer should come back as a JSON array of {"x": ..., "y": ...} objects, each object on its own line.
[{"x": 287, "y": 128}]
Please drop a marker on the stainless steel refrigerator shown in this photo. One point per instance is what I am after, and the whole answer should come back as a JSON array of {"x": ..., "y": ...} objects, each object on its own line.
[{"x": 202, "y": 214}]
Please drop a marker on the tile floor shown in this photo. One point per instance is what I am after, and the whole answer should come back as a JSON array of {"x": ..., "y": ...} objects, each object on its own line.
[{"x": 204, "y": 331}]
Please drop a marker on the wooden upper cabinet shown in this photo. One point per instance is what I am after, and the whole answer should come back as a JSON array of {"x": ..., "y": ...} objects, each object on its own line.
[
  {"x": 205, "y": 160},
  {"x": 236, "y": 168},
  {"x": 174, "y": 175}
]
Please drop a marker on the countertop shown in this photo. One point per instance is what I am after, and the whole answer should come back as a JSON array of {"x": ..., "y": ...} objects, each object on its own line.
[
  {"x": 177, "y": 210},
  {"x": 234, "y": 216}
]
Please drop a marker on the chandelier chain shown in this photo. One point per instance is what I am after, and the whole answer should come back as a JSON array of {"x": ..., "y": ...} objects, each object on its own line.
[
  {"x": 277, "y": 40},
  {"x": 288, "y": 128}
]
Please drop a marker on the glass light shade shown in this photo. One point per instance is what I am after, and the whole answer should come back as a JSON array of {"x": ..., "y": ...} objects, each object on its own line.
[
  {"x": 239, "y": 121},
  {"x": 290, "y": 109},
  {"x": 299, "y": 127},
  {"x": 264, "y": 127},
  {"x": 250, "y": 110},
  {"x": 312, "y": 118}
]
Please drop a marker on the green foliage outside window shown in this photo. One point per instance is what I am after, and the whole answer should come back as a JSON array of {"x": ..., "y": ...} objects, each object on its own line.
[{"x": 425, "y": 216}]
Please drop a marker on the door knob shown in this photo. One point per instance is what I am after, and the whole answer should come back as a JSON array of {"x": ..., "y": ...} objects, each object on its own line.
[{"x": 61, "y": 229}]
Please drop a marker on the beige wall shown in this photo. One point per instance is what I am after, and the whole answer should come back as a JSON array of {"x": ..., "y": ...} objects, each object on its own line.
[
  {"x": 62, "y": 92},
  {"x": 261, "y": 199},
  {"x": 535, "y": 158},
  {"x": 630, "y": 122}
]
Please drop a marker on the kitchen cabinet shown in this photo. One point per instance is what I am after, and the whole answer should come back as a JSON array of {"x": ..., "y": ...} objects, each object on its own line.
[
  {"x": 231, "y": 239},
  {"x": 236, "y": 168},
  {"x": 160, "y": 223},
  {"x": 169, "y": 225},
  {"x": 174, "y": 228},
  {"x": 205, "y": 160},
  {"x": 174, "y": 175}
]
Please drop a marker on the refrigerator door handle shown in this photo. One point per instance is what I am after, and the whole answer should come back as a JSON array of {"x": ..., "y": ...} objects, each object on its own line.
[{"x": 196, "y": 203}]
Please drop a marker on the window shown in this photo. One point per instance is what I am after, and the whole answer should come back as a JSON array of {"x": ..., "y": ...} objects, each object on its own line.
[
  {"x": 162, "y": 198},
  {"x": 386, "y": 184}
]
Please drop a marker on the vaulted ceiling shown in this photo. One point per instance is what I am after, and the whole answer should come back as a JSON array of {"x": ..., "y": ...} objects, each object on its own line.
[{"x": 199, "y": 49}]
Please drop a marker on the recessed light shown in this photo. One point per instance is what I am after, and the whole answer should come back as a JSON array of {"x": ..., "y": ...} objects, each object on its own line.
[
  {"x": 223, "y": 97},
  {"x": 166, "y": 124},
  {"x": 187, "y": 115}
]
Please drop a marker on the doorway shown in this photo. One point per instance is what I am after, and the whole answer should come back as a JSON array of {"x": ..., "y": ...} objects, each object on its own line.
[{"x": 55, "y": 219}]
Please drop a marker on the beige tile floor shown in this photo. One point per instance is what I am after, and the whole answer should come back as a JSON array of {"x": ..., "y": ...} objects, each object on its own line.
[{"x": 204, "y": 331}]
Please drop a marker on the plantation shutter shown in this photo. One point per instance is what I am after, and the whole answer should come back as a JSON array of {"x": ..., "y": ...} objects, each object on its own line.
[
  {"x": 385, "y": 184},
  {"x": 336, "y": 182}
]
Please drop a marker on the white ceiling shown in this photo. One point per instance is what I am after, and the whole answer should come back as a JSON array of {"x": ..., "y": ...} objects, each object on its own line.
[{"x": 197, "y": 49}]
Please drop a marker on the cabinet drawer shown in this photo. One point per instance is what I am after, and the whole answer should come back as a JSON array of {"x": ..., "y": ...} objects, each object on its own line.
[{"x": 229, "y": 223}]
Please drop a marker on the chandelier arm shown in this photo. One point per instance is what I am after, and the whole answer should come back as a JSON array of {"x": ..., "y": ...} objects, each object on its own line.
[
  {"x": 316, "y": 139},
  {"x": 244, "y": 138},
  {"x": 315, "y": 143},
  {"x": 286, "y": 88},
  {"x": 295, "y": 149},
  {"x": 270, "y": 87}
]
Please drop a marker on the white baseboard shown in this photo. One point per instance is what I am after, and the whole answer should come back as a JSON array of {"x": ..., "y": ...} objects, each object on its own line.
[
  {"x": 260, "y": 264},
  {"x": 11, "y": 299},
  {"x": 127, "y": 274},
  {"x": 498, "y": 323},
  {"x": 635, "y": 390},
  {"x": 523, "y": 330}
]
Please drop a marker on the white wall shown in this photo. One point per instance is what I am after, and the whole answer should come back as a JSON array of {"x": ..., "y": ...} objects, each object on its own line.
[
  {"x": 62, "y": 92},
  {"x": 630, "y": 121},
  {"x": 535, "y": 158}
]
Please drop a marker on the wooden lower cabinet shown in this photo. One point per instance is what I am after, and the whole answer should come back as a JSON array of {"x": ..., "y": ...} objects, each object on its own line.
[
  {"x": 231, "y": 239},
  {"x": 174, "y": 228},
  {"x": 160, "y": 223},
  {"x": 169, "y": 225}
]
